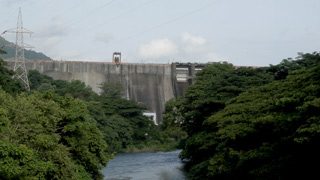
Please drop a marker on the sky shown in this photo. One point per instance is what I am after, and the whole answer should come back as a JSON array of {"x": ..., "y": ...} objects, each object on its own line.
[{"x": 241, "y": 32}]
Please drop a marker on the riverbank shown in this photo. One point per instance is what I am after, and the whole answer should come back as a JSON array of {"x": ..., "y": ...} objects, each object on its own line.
[{"x": 150, "y": 147}]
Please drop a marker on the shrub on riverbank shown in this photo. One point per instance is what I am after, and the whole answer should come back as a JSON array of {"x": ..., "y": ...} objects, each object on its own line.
[{"x": 137, "y": 148}]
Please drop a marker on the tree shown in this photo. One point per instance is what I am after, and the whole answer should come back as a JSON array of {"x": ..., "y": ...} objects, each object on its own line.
[
  {"x": 172, "y": 119},
  {"x": 215, "y": 85},
  {"x": 114, "y": 107},
  {"x": 51, "y": 136},
  {"x": 111, "y": 90},
  {"x": 75, "y": 88},
  {"x": 120, "y": 120},
  {"x": 304, "y": 60},
  {"x": 36, "y": 79},
  {"x": 7, "y": 83},
  {"x": 240, "y": 126},
  {"x": 269, "y": 132},
  {"x": 116, "y": 130}
]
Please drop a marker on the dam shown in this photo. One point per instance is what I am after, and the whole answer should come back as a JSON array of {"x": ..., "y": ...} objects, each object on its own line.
[{"x": 150, "y": 85}]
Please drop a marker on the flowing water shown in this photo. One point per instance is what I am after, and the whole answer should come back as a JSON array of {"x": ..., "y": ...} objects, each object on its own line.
[{"x": 145, "y": 166}]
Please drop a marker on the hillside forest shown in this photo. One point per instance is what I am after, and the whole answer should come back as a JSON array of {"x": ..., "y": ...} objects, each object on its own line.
[
  {"x": 10, "y": 50},
  {"x": 233, "y": 123}
]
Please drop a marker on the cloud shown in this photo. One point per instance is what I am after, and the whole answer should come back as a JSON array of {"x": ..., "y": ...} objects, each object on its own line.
[
  {"x": 192, "y": 44},
  {"x": 51, "y": 41},
  {"x": 196, "y": 41},
  {"x": 53, "y": 30},
  {"x": 186, "y": 48},
  {"x": 103, "y": 37},
  {"x": 158, "y": 49}
]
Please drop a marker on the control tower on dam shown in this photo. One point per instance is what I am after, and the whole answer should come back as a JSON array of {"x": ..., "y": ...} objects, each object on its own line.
[{"x": 151, "y": 85}]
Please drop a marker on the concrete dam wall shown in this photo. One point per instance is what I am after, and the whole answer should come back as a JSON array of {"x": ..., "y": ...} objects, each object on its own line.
[{"x": 151, "y": 85}]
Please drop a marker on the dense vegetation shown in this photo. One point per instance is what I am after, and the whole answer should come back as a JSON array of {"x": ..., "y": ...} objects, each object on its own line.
[
  {"x": 45, "y": 136},
  {"x": 8, "y": 84},
  {"x": 121, "y": 121},
  {"x": 234, "y": 123},
  {"x": 245, "y": 123},
  {"x": 64, "y": 130},
  {"x": 11, "y": 51}
]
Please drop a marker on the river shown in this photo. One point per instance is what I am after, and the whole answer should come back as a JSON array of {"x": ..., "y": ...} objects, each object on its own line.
[{"x": 145, "y": 166}]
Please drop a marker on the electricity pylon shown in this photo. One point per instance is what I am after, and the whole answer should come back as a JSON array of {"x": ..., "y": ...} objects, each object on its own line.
[{"x": 20, "y": 64}]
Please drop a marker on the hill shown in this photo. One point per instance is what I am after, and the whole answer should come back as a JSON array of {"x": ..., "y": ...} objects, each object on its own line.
[{"x": 11, "y": 50}]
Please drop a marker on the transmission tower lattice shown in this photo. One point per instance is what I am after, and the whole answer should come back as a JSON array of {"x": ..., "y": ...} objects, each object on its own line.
[{"x": 20, "y": 64}]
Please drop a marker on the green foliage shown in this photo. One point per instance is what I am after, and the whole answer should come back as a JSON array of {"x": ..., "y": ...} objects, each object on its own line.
[
  {"x": 215, "y": 85},
  {"x": 54, "y": 135},
  {"x": 240, "y": 126},
  {"x": 111, "y": 90},
  {"x": 6, "y": 82},
  {"x": 270, "y": 132},
  {"x": 116, "y": 130},
  {"x": 16, "y": 161},
  {"x": 2, "y": 51},
  {"x": 75, "y": 88},
  {"x": 281, "y": 70},
  {"x": 121, "y": 121},
  {"x": 36, "y": 79},
  {"x": 172, "y": 119},
  {"x": 142, "y": 127},
  {"x": 49, "y": 133}
]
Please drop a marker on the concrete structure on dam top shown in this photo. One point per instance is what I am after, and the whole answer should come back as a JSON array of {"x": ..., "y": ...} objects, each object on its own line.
[{"x": 151, "y": 85}]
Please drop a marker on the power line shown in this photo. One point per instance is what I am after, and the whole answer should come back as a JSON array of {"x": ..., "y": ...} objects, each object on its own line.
[
  {"x": 89, "y": 14},
  {"x": 119, "y": 16},
  {"x": 110, "y": 20},
  {"x": 10, "y": 18},
  {"x": 81, "y": 18},
  {"x": 65, "y": 12},
  {"x": 42, "y": 7},
  {"x": 168, "y": 22},
  {"x": 156, "y": 27},
  {"x": 35, "y": 12},
  {"x": 69, "y": 10}
]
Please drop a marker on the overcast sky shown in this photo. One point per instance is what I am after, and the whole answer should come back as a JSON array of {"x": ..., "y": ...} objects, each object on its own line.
[{"x": 242, "y": 32}]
